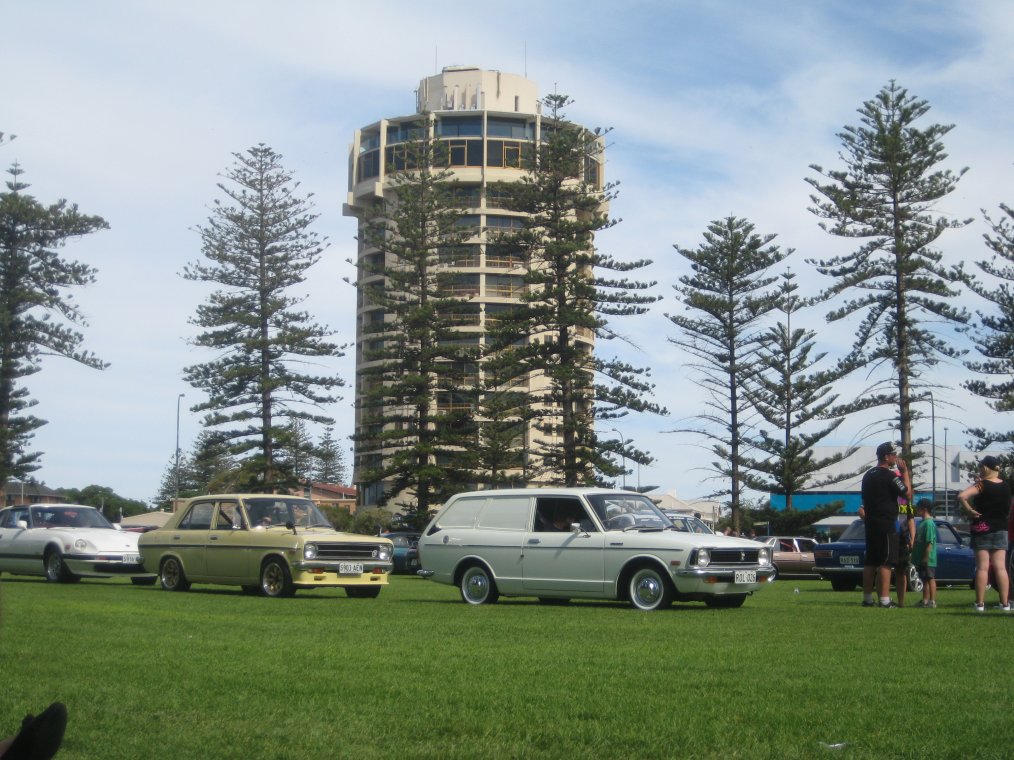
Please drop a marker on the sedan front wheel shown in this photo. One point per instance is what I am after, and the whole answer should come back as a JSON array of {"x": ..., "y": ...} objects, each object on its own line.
[{"x": 276, "y": 581}]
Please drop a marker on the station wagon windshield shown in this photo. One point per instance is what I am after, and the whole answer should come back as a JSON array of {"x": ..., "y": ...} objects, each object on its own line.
[{"x": 622, "y": 511}]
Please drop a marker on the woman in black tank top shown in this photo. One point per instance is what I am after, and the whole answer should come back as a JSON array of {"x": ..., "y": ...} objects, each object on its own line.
[{"x": 987, "y": 503}]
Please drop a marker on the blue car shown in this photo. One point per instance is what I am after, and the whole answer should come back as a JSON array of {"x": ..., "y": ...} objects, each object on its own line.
[
  {"x": 406, "y": 551},
  {"x": 841, "y": 562}
]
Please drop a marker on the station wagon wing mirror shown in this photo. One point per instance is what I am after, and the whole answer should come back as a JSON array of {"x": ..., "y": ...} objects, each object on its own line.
[{"x": 577, "y": 530}]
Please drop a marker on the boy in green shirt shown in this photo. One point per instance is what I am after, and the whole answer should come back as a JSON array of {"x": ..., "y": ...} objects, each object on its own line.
[{"x": 924, "y": 553}]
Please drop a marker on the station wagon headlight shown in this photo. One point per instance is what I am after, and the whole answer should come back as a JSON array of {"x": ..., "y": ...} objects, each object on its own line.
[
  {"x": 384, "y": 553},
  {"x": 764, "y": 557},
  {"x": 310, "y": 551},
  {"x": 703, "y": 557}
]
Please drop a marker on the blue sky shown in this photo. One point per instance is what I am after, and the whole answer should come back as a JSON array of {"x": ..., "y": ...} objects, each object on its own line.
[{"x": 132, "y": 109}]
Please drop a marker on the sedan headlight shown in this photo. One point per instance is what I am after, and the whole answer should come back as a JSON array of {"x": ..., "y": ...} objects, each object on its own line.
[
  {"x": 764, "y": 557},
  {"x": 703, "y": 557},
  {"x": 384, "y": 553},
  {"x": 310, "y": 551}
]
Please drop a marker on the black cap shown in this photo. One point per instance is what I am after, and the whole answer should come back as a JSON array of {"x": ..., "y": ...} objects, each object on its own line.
[
  {"x": 990, "y": 462},
  {"x": 884, "y": 449}
]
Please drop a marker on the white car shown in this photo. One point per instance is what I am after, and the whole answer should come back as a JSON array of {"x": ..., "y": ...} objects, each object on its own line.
[
  {"x": 583, "y": 543},
  {"x": 65, "y": 542}
]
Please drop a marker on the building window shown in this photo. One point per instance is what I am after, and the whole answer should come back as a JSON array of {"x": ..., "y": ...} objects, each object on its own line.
[
  {"x": 406, "y": 131},
  {"x": 504, "y": 286},
  {"x": 508, "y": 154},
  {"x": 369, "y": 165},
  {"x": 468, "y": 196},
  {"x": 500, "y": 256},
  {"x": 459, "y": 255},
  {"x": 514, "y": 128},
  {"x": 498, "y": 222},
  {"x": 457, "y": 126},
  {"x": 462, "y": 153},
  {"x": 370, "y": 141},
  {"x": 460, "y": 286}
]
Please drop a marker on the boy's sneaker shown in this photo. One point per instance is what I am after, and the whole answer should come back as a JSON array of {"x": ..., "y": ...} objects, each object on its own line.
[
  {"x": 887, "y": 606},
  {"x": 979, "y": 607},
  {"x": 932, "y": 603},
  {"x": 924, "y": 603}
]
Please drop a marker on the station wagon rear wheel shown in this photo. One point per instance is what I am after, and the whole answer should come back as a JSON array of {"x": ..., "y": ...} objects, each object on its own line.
[
  {"x": 275, "y": 578},
  {"x": 649, "y": 589},
  {"x": 478, "y": 587},
  {"x": 171, "y": 575}
]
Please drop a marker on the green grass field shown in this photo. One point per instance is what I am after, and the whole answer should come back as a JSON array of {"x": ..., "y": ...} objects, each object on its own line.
[{"x": 418, "y": 674}]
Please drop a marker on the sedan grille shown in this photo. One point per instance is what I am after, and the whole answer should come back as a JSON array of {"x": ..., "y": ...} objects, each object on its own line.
[
  {"x": 347, "y": 551},
  {"x": 734, "y": 556}
]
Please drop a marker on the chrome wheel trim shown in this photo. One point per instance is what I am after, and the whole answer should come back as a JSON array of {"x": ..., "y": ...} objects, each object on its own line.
[{"x": 646, "y": 589}]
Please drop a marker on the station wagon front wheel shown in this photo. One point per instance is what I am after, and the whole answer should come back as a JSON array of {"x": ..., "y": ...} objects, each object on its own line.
[
  {"x": 477, "y": 586},
  {"x": 649, "y": 589}
]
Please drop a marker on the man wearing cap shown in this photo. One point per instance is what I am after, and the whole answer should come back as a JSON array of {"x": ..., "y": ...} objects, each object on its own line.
[{"x": 881, "y": 489}]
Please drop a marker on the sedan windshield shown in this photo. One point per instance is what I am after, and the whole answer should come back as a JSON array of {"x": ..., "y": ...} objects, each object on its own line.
[
  {"x": 624, "y": 511},
  {"x": 68, "y": 517},
  {"x": 278, "y": 511}
]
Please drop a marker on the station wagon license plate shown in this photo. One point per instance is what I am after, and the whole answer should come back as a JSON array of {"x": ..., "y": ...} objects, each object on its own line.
[
  {"x": 849, "y": 560},
  {"x": 745, "y": 576},
  {"x": 350, "y": 568},
  {"x": 131, "y": 559}
]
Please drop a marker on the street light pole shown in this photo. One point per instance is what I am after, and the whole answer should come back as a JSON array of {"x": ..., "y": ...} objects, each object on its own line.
[
  {"x": 176, "y": 469},
  {"x": 623, "y": 456},
  {"x": 947, "y": 509}
]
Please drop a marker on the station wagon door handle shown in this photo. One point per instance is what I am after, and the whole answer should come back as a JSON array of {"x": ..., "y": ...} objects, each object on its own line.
[{"x": 535, "y": 540}]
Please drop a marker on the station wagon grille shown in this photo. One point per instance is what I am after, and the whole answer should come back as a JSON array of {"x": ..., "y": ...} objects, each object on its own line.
[
  {"x": 349, "y": 551},
  {"x": 734, "y": 556}
]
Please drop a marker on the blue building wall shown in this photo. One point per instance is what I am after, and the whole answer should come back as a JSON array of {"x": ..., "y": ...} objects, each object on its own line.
[{"x": 804, "y": 502}]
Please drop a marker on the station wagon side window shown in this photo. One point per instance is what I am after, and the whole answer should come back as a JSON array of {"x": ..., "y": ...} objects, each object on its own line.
[
  {"x": 228, "y": 516},
  {"x": 505, "y": 513},
  {"x": 199, "y": 517},
  {"x": 556, "y": 514},
  {"x": 460, "y": 514}
]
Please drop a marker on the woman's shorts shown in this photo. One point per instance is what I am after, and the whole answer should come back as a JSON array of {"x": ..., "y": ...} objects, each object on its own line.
[{"x": 991, "y": 542}]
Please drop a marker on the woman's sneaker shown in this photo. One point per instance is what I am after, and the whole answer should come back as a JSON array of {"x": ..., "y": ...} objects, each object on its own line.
[{"x": 1004, "y": 607}]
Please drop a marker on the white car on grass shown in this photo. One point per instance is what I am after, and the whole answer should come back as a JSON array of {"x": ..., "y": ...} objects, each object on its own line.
[
  {"x": 66, "y": 542},
  {"x": 583, "y": 543}
]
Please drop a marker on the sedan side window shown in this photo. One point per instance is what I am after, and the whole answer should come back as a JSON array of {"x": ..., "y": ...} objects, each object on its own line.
[
  {"x": 228, "y": 516},
  {"x": 199, "y": 517},
  {"x": 946, "y": 535}
]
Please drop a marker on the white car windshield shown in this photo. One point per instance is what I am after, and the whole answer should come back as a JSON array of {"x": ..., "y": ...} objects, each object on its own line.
[
  {"x": 64, "y": 516},
  {"x": 270, "y": 511},
  {"x": 627, "y": 511}
]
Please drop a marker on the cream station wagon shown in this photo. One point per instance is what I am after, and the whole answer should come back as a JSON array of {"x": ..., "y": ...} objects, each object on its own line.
[
  {"x": 265, "y": 543},
  {"x": 558, "y": 544}
]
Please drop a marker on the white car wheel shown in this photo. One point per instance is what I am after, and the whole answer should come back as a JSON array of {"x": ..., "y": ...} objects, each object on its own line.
[
  {"x": 649, "y": 589},
  {"x": 477, "y": 586}
]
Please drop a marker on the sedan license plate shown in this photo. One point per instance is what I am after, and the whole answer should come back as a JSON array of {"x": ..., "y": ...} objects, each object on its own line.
[
  {"x": 350, "y": 568},
  {"x": 745, "y": 576},
  {"x": 849, "y": 560},
  {"x": 131, "y": 559}
]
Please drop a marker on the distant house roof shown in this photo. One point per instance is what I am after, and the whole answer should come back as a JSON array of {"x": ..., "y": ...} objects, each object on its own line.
[
  {"x": 333, "y": 491},
  {"x": 30, "y": 493}
]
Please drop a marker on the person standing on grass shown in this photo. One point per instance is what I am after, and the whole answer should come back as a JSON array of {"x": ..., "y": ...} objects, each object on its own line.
[
  {"x": 881, "y": 489},
  {"x": 987, "y": 503},
  {"x": 924, "y": 553}
]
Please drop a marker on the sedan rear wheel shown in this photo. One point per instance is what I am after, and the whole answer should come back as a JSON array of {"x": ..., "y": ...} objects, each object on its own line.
[
  {"x": 171, "y": 575},
  {"x": 477, "y": 586},
  {"x": 649, "y": 589},
  {"x": 276, "y": 581},
  {"x": 56, "y": 568}
]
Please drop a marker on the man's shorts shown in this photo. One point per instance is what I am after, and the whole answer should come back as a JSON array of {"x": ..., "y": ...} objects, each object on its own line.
[
  {"x": 881, "y": 545},
  {"x": 927, "y": 573}
]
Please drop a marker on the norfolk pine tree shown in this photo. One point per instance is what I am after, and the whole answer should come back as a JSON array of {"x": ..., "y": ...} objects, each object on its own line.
[
  {"x": 571, "y": 291},
  {"x": 796, "y": 400},
  {"x": 38, "y": 315},
  {"x": 416, "y": 395},
  {"x": 723, "y": 299},
  {"x": 257, "y": 247},
  {"x": 885, "y": 196},
  {"x": 329, "y": 466},
  {"x": 994, "y": 336}
]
